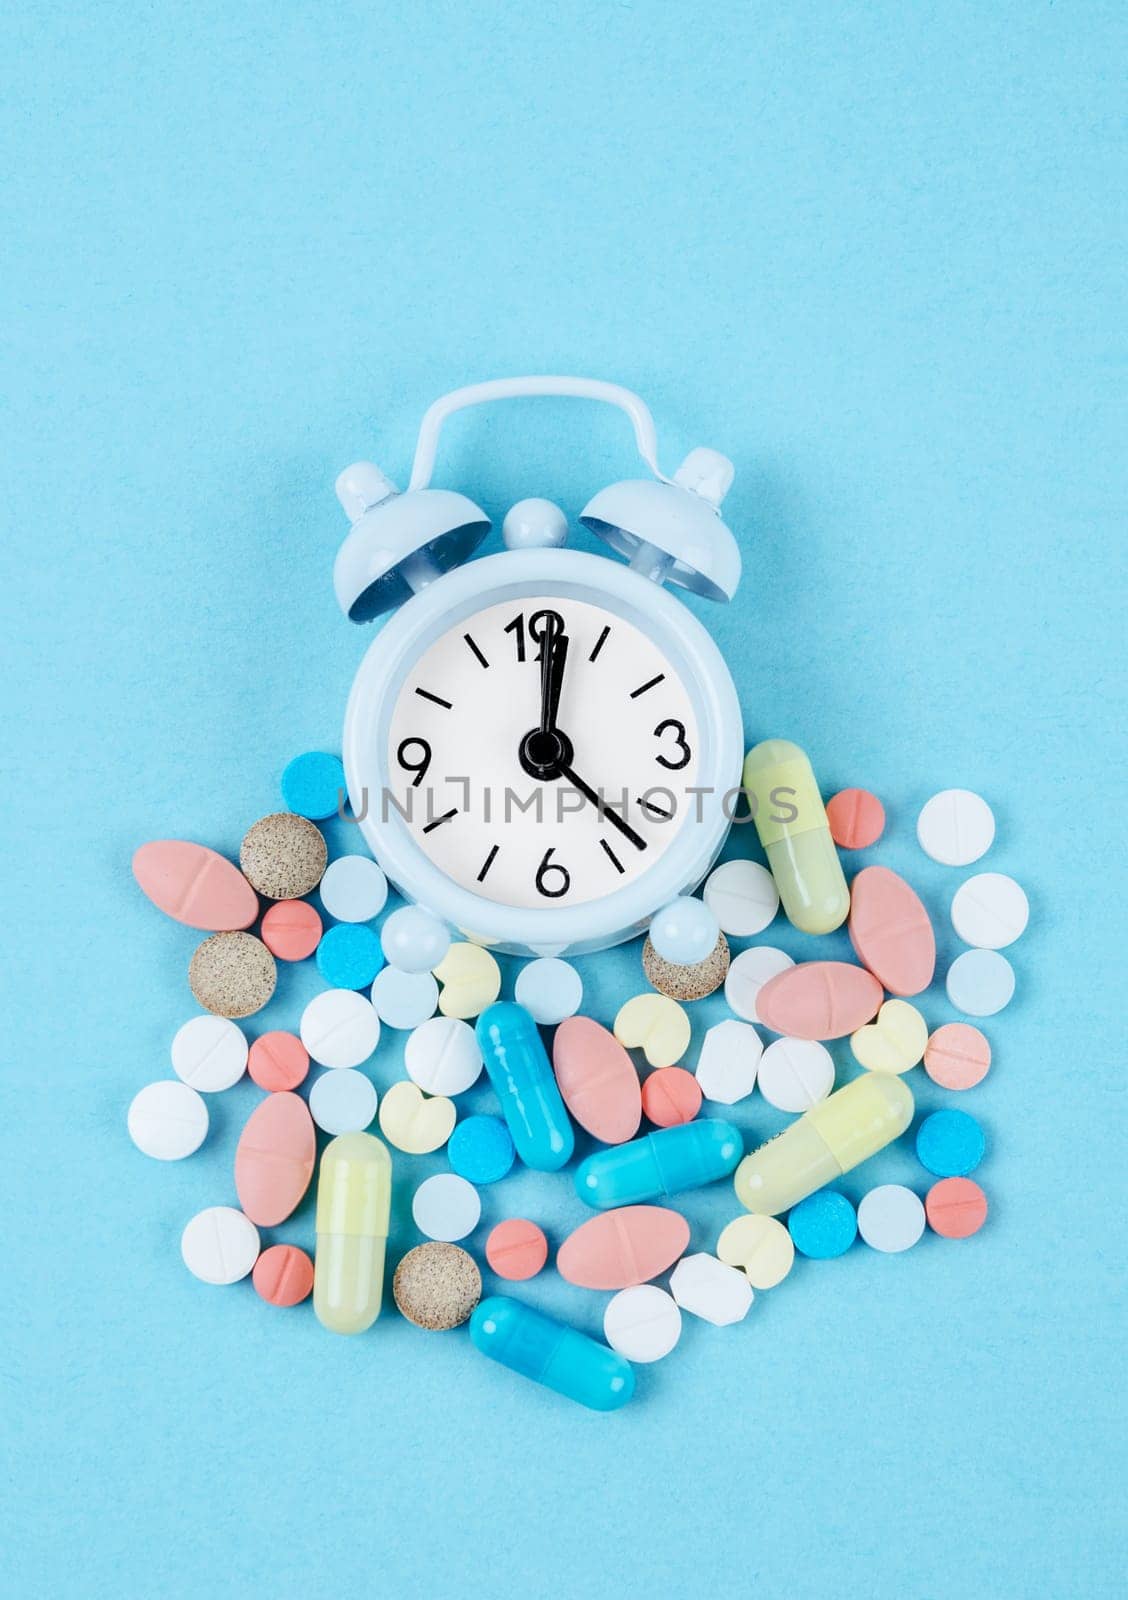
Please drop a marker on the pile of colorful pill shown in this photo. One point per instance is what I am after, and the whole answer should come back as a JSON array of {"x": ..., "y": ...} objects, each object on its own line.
[{"x": 553, "y": 1069}]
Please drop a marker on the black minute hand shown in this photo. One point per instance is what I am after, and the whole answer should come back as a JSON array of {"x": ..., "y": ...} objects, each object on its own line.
[
  {"x": 613, "y": 817},
  {"x": 554, "y": 654}
]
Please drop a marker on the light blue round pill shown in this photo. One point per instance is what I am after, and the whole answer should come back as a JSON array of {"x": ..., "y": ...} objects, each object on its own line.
[
  {"x": 550, "y": 989},
  {"x": 823, "y": 1225},
  {"x": 404, "y": 999},
  {"x": 684, "y": 932},
  {"x": 414, "y": 940},
  {"x": 480, "y": 1149},
  {"x": 313, "y": 785},
  {"x": 980, "y": 982},
  {"x": 950, "y": 1144},
  {"x": 349, "y": 956}
]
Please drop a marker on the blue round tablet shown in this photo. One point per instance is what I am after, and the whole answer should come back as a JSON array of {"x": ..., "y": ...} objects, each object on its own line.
[
  {"x": 480, "y": 1149},
  {"x": 823, "y": 1225},
  {"x": 313, "y": 785},
  {"x": 950, "y": 1144},
  {"x": 349, "y": 956}
]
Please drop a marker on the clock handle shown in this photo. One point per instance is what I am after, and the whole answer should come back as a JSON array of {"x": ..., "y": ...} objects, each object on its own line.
[{"x": 476, "y": 394}]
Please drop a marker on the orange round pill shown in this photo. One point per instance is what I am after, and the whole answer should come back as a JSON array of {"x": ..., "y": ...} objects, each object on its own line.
[
  {"x": 671, "y": 1096},
  {"x": 291, "y": 930},
  {"x": 517, "y": 1249},
  {"x": 957, "y": 1056},
  {"x": 956, "y": 1208},
  {"x": 856, "y": 817},
  {"x": 278, "y": 1062},
  {"x": 283, "y": 1275}
]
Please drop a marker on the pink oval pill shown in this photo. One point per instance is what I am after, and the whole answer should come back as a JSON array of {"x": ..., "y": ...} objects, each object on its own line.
[
  {"x": 274, "y": 1159},
  {"x": 957, "y": 1056},
  {"x": 956, "y": 1208},
  {"x": 278, "y": 1061},
  {"x": 283, "y": 1275},
  {"x": 671, "y": 1096},
  {"x": 856, "y": 817},
  {"x": 597, "y": 1080},
  {"x": 291, "y": 930},
  {"x": 194, "y": 885},
  {"x": 517, "y": 1249},
  {"x": 819, "y": 1000},
  {"x": 891, "y": 931},
  {"x": 620, "y": 1248}
]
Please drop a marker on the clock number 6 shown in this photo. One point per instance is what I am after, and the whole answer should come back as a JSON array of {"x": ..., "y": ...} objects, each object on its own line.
[
  {"x": 685, "y": 752},
  {"x": 547, "y": 866},
  {"x": 418, "y": 767}
]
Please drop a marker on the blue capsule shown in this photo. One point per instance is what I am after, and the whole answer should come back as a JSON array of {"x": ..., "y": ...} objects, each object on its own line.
[
  {"x": 659, "y": 1163},
  {"x": 522, "y": 1076},
  {"x": 549, "y": 1352}
]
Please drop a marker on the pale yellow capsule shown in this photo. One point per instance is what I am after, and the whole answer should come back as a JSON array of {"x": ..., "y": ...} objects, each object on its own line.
[
  {"x": 791, "y": 821},
  {"x": 354, "y": 1192},
  {"x": 822, "y": 1144},
  {"x": 894, "y": 1041}
]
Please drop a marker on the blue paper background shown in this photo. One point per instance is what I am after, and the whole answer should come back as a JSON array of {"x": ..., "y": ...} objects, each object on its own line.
[{"x": 875, "y": 254}]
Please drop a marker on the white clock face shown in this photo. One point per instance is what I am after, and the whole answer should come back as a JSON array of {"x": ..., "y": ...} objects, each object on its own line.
[{"x": 536, "y": 811}]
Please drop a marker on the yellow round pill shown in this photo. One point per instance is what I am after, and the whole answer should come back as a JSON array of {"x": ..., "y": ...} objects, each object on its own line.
[
  {"x": 761, "y": 1246},
  {"x": 413, "y": 1122},
  {"x": 655, "y": 1025},
  {"x": 470, "y": 979}
]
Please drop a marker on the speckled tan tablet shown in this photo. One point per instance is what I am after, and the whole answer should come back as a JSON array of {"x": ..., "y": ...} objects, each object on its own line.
[
  {"x": 437, "y": 1286},
  {"x": 283, "y": 856},
  {"x": 232, "y": 974},
  {"x": 687, "y": 983}
]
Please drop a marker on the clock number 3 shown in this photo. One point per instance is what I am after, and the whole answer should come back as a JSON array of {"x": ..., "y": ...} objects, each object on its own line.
[
  {"x": 685, "y": 754},
  {"x": 562, "y": 879}
]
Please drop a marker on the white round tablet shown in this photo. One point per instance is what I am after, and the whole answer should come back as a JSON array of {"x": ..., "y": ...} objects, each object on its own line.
[
  {"x": 210, "y": 1053},
  {"x": 980, "y": 982},
  {"x": 404, "y": 999},
  {"x": 343, "y": 1102},
  {"x": 990, "y": 911},
  {"x": 748, "y": 974},
  {"x": 891, "y": 1218},
  {"x": 795, "y": 1074},
  {"x": 550, "y": 989},
  {"x": 442, "y": 1056},
  {"x": 956, "y": 827},
  {"x": 743, "y": 897},
  {"x": 642, "y": 1323},
  {"x": 353, "y": 889},
  {"x": 220, "y": 1245},
  {"x": 340, "y": 1028},
  {"x": 446, "y": 1207},
  {"x": 726, "y": 1066},
  {"x": 167, "y": 1120}
]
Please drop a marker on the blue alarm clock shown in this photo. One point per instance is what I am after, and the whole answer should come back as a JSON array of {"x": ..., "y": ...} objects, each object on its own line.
[{"x": 542, "y": 747}]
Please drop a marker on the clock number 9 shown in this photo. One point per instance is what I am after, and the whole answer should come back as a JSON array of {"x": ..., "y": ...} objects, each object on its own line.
[
  {"x": 682, "y": 746},
  {"x": 547, "y": 866},
  {"x": 418, "y": 767}
]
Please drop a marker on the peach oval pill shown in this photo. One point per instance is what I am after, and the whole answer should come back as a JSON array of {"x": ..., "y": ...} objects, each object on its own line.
[
  {"x": 597, "y": 1080},
  {"x": 671, "y": 1096},
  {"x": 517, "y": 1249},
  {"x": 856, "y": 817},
  {"x": 274, "y": 1159},
  {"x": 956, "y": 1208},
  {"x": 195, "y": 885},
  {"x": 891, "y": 931},
  {"x": 283, "y": 1275},
  {"x": 623, "y": 1247},
  {"x": 278, "y": 1061},
  {"x": 819, "y": 1000},
  {"x": 291, "y": 930},
  {"x": 957, "y": 1056}
]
